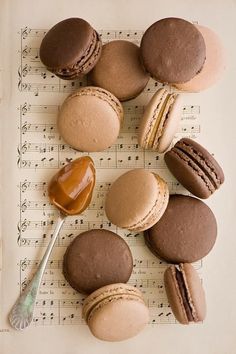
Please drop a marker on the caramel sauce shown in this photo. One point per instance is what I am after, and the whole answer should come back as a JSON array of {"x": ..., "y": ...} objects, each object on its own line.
[{"x": 71, "y": 189}]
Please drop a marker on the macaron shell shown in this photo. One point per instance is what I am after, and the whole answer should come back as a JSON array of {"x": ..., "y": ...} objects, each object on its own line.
[
  {"x": 119, "y": 70},
  {"x": 65, "y": 43},
  {"x": 160, "y": 121},
  {"x": 190, "y": 175},
  {"x": 159, "y": 208},
  {"x": 150, "y": 115},
  {"x": 196, "y": 291},
  {"x": 123, "y": 207},
  {"x": 174, "y": 296},
  {"x": 194, "y": 167},
  {"x": 87, "y": 113},
  {"x": 171, "y": 124},
  {"x": 214, "y": 65},
  {"x": 96, "y": 258},
  {"x": 186, "y": 232},
  {"x": 85, "y": 65},
  {"x": 173, "y": 50},
  {"x": 119, "y": 319},
  {"x": 108, "y": 291}
]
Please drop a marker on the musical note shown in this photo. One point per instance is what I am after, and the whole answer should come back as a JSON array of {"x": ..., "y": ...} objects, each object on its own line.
[{"x": 191, "y": 110}]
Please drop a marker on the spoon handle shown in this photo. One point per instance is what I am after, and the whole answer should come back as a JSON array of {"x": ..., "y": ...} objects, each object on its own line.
[{"x": 21, "y": 314}]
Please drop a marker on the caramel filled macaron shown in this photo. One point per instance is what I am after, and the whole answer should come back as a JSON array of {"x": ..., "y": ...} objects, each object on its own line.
[{"x": 160, "y": 121}]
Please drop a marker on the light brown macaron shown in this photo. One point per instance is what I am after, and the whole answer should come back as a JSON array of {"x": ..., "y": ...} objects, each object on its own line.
[
  {"x": 213, "y": 67},
  {"x": 90, "y": 119},
  {"x": 120, "y": 71},
  {"x": 185, "y": 293},
  {"x": 137, "y": 200},
  {"x": 160, "y": 121},
  {"x": 115, "y": 312}
]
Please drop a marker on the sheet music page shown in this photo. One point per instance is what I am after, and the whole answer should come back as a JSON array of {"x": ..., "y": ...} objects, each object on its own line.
[{"x": 32, "y": 152}]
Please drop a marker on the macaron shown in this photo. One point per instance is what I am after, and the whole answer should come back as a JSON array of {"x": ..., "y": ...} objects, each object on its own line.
[
  {"x": 120, "y": 71},
  {"x": 96, "y": 258},
  {"x": 137, "y": 200},
  {"x": 186, "y": 232},
  {"x": 173, "y": 50},
  {"x": 160, "y": 121},
  {"x": 185, "y": 293},
  {"x": 90, "y": 119},
  {"x": 214, "y": 65},
  {"x": 71, "y": 48},
  {"x": 195, "y": 168},
  {"x": 115, "y": 312}
]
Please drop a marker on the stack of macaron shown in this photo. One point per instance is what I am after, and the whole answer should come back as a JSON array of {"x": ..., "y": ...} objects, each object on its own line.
[
  {"x": 179, "y": 229},
  {"x": 98, "y": 263}
]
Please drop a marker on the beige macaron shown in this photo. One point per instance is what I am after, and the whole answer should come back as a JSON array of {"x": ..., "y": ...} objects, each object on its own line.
[
  {"x": 160, "y": 121},
  {"x": 137, "y": 200},
  {"x": 90, "y": 119},
  {"x": 115, "y": 312},
  {"x": 213, "y": 67}
]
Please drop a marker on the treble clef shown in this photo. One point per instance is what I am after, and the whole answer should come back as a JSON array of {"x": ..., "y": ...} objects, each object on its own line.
[
  {"x": 23, "y": 205},
  {"x": 25, "y": 70},
  {"x": 24, "y": 185},
  {"x": 25, "y": 127},
  {"x": 25, "y": 32},
  {"x": 24, "y": 108},
  {"x": 22, "y": 226},
  {"x": 26, "y": 50},
  {"x": 24, "y": 264}
]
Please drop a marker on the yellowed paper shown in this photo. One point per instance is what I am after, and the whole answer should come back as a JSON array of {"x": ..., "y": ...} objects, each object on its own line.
[{"x": 33, "y": 152}]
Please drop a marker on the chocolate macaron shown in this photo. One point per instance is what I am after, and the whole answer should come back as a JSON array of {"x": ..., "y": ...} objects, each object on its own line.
[
  {"x": 71, "y": 48},
  {"x": 185, "y": 293},
  {"x": 90, "y": 119},
  {"x": 186, "y": 232},
  {"x": 137, "y": 200},
  {"x": 120, "y": 71},
  {"x": 195, "y": 168},
  {"x": 96, "y": 258},
  {"x": 173, "y": 50}
]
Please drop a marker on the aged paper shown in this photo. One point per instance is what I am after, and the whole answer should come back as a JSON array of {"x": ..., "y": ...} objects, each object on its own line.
[{"x": 33, "y": 151}]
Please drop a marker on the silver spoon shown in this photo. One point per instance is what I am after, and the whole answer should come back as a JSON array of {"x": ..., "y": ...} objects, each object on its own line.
[
  {"x": 21, "y": 314},
  {"x": 73, "y": 180}
]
